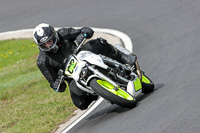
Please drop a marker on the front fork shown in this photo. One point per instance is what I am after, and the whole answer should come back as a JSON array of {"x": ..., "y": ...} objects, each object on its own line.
[{"x": 138, "y": 69}]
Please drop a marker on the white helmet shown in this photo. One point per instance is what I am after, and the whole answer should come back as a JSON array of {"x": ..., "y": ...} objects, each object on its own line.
[{"x": 46, "y": 37}]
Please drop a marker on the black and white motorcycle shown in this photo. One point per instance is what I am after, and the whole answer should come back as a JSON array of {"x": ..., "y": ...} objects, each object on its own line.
[{"x": 99, "y": 75}]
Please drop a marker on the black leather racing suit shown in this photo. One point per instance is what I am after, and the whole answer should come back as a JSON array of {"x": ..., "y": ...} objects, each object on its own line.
[{"x": 50, "y": 63}]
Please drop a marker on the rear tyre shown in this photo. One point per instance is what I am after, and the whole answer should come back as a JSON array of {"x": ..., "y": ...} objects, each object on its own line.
[
  {"x": 147, "y": 84},
  {"x": 117, "y": 96}
]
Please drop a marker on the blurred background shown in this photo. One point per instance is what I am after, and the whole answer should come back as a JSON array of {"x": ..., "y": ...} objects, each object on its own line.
[{"x": 165, "y": 37}]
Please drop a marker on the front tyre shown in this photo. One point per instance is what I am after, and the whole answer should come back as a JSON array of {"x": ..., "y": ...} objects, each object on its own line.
[
  {"x": 108, "y": 91},
  {"x": 147, "y": 84}
]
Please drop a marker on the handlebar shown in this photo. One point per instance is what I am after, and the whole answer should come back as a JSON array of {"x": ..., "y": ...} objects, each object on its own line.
[{"x": 79, "y": 45}]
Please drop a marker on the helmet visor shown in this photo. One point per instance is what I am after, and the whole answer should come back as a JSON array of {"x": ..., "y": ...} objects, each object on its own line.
[{"x": 48, "y": 45}]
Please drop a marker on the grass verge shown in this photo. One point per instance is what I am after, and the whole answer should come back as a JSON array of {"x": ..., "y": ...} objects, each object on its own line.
[{"x": 27, "y": 103}]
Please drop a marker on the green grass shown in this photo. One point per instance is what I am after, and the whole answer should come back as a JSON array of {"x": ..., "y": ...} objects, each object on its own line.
[{"x": 27, "y": 103}]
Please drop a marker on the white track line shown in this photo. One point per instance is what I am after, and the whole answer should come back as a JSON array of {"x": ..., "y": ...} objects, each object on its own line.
[{"x": 83, "y": 115}]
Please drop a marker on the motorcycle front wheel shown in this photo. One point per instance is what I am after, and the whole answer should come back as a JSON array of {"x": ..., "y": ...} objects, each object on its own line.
[{"x": 114, "y": 95}]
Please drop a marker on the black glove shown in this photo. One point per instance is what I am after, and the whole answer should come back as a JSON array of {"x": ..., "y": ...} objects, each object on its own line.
[
  {"x": 80, "y": 38},
  {"x": 88, "y": 31},
  {"x": 54, "y": 85}
]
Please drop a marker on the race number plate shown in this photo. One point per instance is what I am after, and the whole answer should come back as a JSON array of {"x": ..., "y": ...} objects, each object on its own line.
[{"x": 72, "y": 66}]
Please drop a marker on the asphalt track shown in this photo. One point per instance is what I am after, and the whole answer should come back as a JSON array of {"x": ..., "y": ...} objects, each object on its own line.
[{"x": 165, "y": 36}]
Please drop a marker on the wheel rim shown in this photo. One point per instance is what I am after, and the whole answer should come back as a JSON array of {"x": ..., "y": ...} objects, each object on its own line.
[
  {"x": 119, "y": 92},
  {"x": 145, "y": 80}
]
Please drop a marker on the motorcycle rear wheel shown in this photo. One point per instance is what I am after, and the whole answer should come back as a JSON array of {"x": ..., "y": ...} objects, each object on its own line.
[
  {"x": 112, "y": 94},
  {"x": 147, "y": 84}
]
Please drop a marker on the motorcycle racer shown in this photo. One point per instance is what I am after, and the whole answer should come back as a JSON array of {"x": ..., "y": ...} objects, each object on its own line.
[{"x": 56, "y": 46}]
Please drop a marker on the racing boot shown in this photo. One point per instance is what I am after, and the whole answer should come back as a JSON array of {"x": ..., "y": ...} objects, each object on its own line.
[
  {"x": 119, "y": 53},
  {"x": 126, "y": 58}
]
